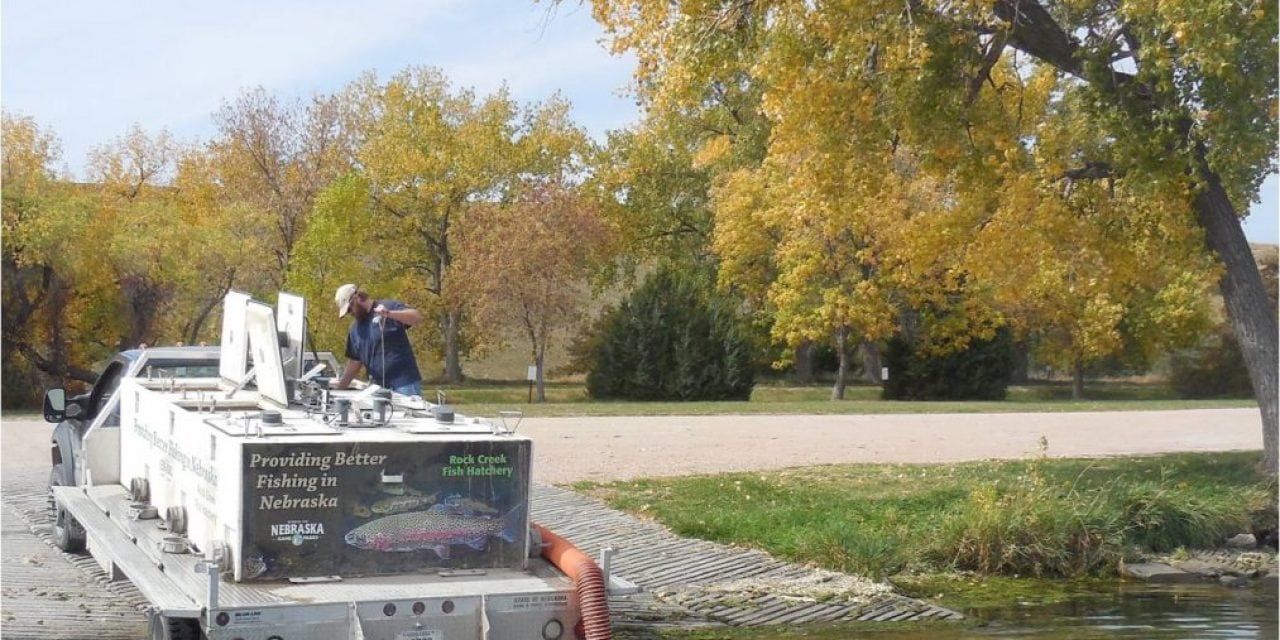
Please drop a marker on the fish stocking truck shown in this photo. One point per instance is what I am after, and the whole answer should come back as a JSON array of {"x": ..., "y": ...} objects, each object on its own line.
[{"x": 247, "y": 500}]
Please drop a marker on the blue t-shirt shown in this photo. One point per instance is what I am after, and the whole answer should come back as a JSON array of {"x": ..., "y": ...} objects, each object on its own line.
[{"x": 365, "y": 343}]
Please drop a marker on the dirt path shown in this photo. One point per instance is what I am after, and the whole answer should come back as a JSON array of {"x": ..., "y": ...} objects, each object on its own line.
[{"x": 571, "y": 449}]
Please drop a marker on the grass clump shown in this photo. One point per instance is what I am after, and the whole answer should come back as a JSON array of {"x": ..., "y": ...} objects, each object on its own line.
[
  {"x": 1163, "y": 516},
  {"x": 1040, "y": 528},
  {"x": 1033, "y": 531},
  {"x": 1051, "y": 518}
]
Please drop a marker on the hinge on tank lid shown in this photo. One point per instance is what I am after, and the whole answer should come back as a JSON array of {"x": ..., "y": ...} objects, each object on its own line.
[
  {"x": 514, "y": 414},
  {"x": 248, "y": 377}
]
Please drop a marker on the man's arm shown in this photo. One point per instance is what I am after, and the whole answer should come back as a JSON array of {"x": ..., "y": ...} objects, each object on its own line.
[
  {"x": 349, "y": 374},
  {"x": 406, "y": 316}
]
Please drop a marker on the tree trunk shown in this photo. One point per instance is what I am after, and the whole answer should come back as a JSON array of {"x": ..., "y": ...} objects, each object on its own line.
[
  {"x": 1077, "y": 380},
  {"x": 143, "y": 299},
  {"x": 452, "y": 362},
  {"x": 1246, "y": 301},
  {"x": 59, "y": 295},
  {"x": 842, "y": 371},
  {"x": 538, "y": 358},
  {"x": 193, "y": 334},
  {"x": 802, "y": 373},
  {"x": 870, "y": 361},
  {"x": 1021, "y": 363}
]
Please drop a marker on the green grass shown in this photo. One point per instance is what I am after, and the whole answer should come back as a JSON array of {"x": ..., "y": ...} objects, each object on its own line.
[
  {"x": 571, "y": 399},
  {"x": 1033, "y": 517}
]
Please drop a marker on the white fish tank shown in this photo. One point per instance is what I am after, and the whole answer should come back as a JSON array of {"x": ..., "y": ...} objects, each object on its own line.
[{"x": 291, "y": 480}]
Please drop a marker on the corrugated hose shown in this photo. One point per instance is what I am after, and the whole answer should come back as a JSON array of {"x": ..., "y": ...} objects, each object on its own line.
[{"x": 588, "y": 583}]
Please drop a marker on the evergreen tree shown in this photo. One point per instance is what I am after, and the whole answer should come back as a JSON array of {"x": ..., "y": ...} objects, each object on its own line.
[{"x": 672, "y": 340}]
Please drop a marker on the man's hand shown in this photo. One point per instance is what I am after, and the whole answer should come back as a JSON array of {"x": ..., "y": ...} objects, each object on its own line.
[
  {"x": 407, "y": 317},
  {"x": 348, "y": 374}
]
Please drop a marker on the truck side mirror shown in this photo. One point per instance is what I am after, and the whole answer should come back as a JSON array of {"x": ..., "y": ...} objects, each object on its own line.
[{"x": 55, "y": 405}]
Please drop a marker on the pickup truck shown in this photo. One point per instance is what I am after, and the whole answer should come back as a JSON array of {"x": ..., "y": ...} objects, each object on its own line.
[{"x": 74, "y": 457}]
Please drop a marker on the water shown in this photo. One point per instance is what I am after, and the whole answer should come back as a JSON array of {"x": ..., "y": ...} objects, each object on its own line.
[{"x": 1127, "y": 612}]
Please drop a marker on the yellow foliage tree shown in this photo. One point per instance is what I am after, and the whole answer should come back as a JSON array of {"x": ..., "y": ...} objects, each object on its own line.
[
  {"x": 1177, "y": 98},
  {"x": 43, "y": 223},
  {"x": 525, "y": 266}
]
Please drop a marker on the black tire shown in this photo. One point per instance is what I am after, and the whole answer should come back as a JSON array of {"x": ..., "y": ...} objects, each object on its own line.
[
  {"x": 68, "y": 535},
  {"x": 184, "y": 629}
]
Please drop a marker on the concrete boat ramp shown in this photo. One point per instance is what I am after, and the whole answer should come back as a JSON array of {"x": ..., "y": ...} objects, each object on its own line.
[
  {"x": 684, "y": 582},
  {"x": 690, "y": 582}
]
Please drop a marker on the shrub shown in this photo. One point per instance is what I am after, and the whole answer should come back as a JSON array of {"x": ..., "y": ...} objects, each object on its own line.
[
  {"x": 981, "y": 371},
  {"x": 672, "y": 340},
  {"x": 1214, "y": 370},
  {"x": 22, "y": 383}
]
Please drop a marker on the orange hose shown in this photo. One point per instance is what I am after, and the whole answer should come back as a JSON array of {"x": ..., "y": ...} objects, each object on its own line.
[{"x": 588, "y": 582}]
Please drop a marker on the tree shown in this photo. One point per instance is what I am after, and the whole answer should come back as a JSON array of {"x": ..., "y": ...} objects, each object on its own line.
[
  {"x": 828, "y": 284},
  {"x": 138, "y": 231},
  {"x": 526, "y": 265},
  {"x": 329, "y": 252},
  {"x": 277, "y": 157},
  {"x": 672, "y": 339},
  {"x": 979, "y": 371},
  {"x": 427, "y": 152},
  {"x": 1077, "y": 282},
  {"x": 222, "y": 246},
  {"x": 1181, "y": 94},
  {"x": 42, "y": 222},
  {"x": 655, "y": 178}
]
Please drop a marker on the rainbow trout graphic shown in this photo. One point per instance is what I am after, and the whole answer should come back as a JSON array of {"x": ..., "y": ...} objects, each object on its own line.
[
  {"x": 434, "y": 530},
  {"x": 401, "y": 504}
]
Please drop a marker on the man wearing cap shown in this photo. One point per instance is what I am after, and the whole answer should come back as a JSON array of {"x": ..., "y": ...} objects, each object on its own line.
[{"x": 379, "y": 340}]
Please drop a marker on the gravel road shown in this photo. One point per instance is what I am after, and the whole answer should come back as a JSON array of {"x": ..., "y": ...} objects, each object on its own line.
[
  {"x": 571, "y": 449},
  {"x": 619, "y": 448}
]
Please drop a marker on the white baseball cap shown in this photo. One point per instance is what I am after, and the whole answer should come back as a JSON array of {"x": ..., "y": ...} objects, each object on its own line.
[{"x": 343, "y": 297}]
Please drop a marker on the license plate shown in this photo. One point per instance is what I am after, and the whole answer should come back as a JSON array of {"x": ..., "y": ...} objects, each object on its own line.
[{"x": 421, "y": 634}]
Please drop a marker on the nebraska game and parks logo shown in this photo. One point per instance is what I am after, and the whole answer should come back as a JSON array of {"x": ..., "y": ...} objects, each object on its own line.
[{"x": 297, "y": 531}]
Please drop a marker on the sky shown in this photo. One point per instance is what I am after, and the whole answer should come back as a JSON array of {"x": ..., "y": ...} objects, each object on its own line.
[{"x": 89, "y": 69}]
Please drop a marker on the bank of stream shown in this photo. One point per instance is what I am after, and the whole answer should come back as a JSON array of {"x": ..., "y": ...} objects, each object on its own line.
[
  {"x": 1111, "y": 610},
  {"x": 1052, "y": 610},
  {"x": 981, "y": 529}
]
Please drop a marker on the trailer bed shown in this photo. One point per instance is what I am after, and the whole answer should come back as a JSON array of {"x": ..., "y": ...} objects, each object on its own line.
[{"x": 130, "y": 548}]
